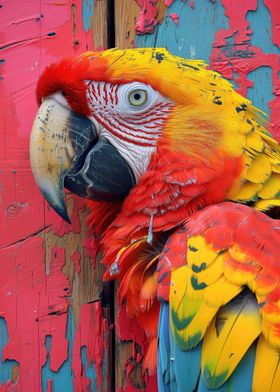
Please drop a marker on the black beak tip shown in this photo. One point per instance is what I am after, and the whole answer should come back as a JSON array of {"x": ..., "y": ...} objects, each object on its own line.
[
  {"x": 56, "y": 201},
  {"x": 65, "y": 216}
]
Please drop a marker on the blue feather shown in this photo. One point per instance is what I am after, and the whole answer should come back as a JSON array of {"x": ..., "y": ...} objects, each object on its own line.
[
  {"x": 240, "y": 380},
  {"x": 186, "y": 366},
  {"x": 178, "y": 371},
  {"x": 163, "y": 349}
]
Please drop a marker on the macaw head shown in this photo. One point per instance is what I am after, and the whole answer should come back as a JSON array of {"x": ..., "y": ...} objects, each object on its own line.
[{"x": 163, "y": 134}]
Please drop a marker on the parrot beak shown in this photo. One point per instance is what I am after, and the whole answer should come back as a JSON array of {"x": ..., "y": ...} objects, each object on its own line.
[
  {"x": 59, "y": 138},
  {"x": 65, "y": 151}
]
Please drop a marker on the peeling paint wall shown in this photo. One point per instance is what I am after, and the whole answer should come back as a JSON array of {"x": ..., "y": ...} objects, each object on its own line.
[
  {"x": 240, "y": 39},
  {"x": 54, "y": 332},
  {"x": 53, "y": 335}
]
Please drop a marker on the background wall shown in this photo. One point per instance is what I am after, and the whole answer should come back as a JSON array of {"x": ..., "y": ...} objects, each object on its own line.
[{"x": 56, "y": 318}]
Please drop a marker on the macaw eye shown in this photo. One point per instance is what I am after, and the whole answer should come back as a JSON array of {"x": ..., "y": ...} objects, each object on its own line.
[{"x": 137, "y": 97}]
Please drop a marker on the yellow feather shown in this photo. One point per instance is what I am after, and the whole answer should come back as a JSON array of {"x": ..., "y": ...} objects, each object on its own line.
[
  {"x": 276, "y": 168},
  {"x": 271, "y": 187},
  {"x": 190, "y": 336},
  {"x": 217, "y": 294},
  {"x": 192, "y": 306},
  {"x": 188, "y": 318},
  {"x": 271, "y": 330},
  {"x": 267, "y": 368},
  {"x": 228, "y": 337},
  {"x": 212, "y": 273},
  {"x": 249, "y": 191},
  {"x": 237, "y": 276},
  {"x": 260, "y": 170},
  {"x": 200, "y": 254},
  {"x": 237, "y": 254},
  {"x": 255, "y": 143},
  {"x": 264, "y": 205}
]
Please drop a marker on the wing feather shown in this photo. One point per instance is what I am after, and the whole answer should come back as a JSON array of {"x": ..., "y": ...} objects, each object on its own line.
[
  {"x": 227, "y": 295},
  {"x": 267, "y": 368},
  {"x": 228, "y": 338}
]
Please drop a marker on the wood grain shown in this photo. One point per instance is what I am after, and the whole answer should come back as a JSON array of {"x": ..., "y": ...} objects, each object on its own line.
[
  {"x": 126, "y": 14},
  {"x": 100, "y": 24}
]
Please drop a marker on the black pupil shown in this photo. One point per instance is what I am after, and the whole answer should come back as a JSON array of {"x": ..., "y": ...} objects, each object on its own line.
[{"x": 137, "y": 96}]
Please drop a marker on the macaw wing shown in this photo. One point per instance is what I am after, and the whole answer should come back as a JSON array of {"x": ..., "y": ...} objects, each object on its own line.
[{"x": 221, "y": 328}]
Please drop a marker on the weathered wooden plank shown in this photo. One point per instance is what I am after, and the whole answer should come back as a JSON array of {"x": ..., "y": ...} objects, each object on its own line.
[
  {"x": 126, "y": 14},
  {"x": 53, "y": 327},
  {"x": 100, "y": 24},
  {"x": 131, "y": 14}
]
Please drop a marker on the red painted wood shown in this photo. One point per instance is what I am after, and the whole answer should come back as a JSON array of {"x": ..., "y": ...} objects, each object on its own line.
[
  {"x": 33, "y": 298},
  {"x": 34, "y": 305}
]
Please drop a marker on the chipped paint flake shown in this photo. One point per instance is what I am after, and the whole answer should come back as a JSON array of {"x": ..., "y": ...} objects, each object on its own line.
[
  {"x": 168, "y": 3},
  {"x": 89, "y": 334},
  {"x": 175, "y": 18},
  {"x": 34, "y": 308},
  {"x": 76, "y": 258},
  {"x": 88, "y": 10},
  {"x": 147, "y": 20},
  {"x": 235, "y": 57}
]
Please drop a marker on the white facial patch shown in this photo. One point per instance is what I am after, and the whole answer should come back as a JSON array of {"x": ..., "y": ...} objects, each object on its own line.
[{"x": 131, "y": 117}]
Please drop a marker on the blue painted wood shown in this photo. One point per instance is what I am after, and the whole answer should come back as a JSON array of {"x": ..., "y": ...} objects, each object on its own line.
[
  {"x": 88, "y": 12},
  {"x": 5, "y": 367},
  {"x": 261, "y": 93},
  {"x": 195, "y": 33},
  {"x": 62, "y": 380}
]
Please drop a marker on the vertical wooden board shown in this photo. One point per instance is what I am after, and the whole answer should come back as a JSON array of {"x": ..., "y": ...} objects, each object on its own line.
[
  {"x": 131, "y": 15},
  {"x": 237, "y": 38},
  {"x": 54, "y": 333},
  {"x": 99, "y": 24}
]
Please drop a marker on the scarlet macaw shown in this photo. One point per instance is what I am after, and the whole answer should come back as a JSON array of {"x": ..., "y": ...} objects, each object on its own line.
[{"x": 184, "y": 184}]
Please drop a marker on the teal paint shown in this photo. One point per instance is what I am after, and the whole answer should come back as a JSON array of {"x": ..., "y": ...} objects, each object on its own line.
[
  {"x": 5, "y": 367},
  {"x": 90, "y": 371},
  {"x": 195, "y": 33},
  {"x": 262, "y": 37},
  {"x": 261, "y": 93},
  {"x": 62, "y": 381},
  {"x": 88, "y": 12}
]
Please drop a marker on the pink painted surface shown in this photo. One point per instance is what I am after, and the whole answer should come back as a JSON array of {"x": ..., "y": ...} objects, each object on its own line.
[
  {"x": 128, "y": 330},
  {"x": 147, "y": 19},
  {"x": 175, "y": 18},
  {"x": 76, "y": 258},
  {"x": 90, "y": 332},
  {"x": 33, "y": 297},
  {"x": 34, "y": 305}
]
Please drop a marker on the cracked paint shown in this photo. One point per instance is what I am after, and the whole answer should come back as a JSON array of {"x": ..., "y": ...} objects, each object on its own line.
[
  {"x": 34, "y": 298},
  {"x": 35, "y": 291},
  {"x": 40, "y": 306},
  {"x": 232, "y": 52},
  {"x": 128, "y": 330},
  {"x": 147, "y": 19},
  {"x": 235, "y": 57}
]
